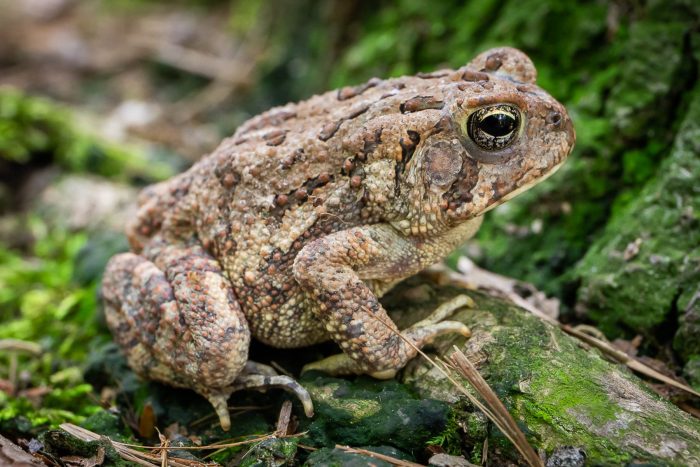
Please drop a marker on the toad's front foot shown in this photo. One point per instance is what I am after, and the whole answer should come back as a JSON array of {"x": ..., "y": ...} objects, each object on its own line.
[
  {"x": 332, "y": 271},
  {"x": 417, "y": 336},
  {"x": 413, "y": 339}
]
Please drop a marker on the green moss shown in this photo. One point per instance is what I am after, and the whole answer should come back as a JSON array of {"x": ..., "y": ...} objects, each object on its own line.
[
  {"x": 450, "y": 439},
  {"x": 634, "y": 272},
  {"x": 556, "y": 398},
  {"x": 339, "y": 458},
  {"x": 48, "y": 415},
  {"x": 692, "y": 371},
  {"x": 41, "y": 302},
  {"x": 271, "y": 452},
  {"x": 109, "y": 424},
  {"x": 561, "y": 394}
]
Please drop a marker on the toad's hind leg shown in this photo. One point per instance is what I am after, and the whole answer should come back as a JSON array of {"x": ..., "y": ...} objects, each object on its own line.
[{"x": 177, "y": 320}]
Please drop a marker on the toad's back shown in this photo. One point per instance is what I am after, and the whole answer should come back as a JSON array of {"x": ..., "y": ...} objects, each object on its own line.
[{"x": 289, "y": 176}]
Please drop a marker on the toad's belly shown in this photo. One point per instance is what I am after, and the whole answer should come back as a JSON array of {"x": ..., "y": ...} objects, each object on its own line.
[{"x": 285, "y": 320}]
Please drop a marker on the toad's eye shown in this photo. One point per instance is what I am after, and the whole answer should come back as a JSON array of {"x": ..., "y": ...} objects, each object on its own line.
[{"x": 493, "y": 128}]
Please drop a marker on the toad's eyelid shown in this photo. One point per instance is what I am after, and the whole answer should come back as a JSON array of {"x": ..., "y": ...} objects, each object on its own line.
[
  {"x": 496, "y": 111},
  {"x": 495, "y": 105}
]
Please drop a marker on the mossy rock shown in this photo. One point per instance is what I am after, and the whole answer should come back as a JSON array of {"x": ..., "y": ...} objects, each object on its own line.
[
  {"x": 367, "y": 412},
  {"x": 560, "y": 393},
  {"x": 58, "y": 443}
]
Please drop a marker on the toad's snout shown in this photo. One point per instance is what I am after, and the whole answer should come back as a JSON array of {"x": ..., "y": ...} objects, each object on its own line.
[
  {"x": 559, "y": 120},
  {"x": 570, "y": 132}
]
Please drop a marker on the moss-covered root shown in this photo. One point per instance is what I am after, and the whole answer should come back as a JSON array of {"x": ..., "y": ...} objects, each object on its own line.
[{"x": 560, "y": 392}]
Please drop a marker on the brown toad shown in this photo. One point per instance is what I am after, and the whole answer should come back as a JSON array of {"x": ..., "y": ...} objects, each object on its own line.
[{"x": 291, "y": 229}]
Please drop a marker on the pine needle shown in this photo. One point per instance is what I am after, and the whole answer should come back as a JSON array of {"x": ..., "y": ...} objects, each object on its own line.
[
  {"x": 499, "y": 414},
  {"x": 376, "y": 455}
]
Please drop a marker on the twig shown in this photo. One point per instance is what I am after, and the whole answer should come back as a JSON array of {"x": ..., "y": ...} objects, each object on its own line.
[
  {"x": 213, "y": 95},
  {"x": 213, "y": 445},
  {"x": 307, "y": 447},
  {"x": 284, "y": 418},
  {"x": 165, "y": 443},
  {"x": 128, "y": 451},
  {"x": 14, "y": 455},
  {"x": 12, "y": 347},
  {"x": 622, "y": 357},
  {"x": 235, "y": 73},
  {"x": 491, "y": 280},
  {"x": 18, "y": 345}
]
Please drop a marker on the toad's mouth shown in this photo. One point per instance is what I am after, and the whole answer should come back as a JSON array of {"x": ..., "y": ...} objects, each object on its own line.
[{"x": 525, "y": 187}]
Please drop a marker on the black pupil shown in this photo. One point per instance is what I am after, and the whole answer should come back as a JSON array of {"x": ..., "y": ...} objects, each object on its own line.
[{"x": 499, "y": 124}]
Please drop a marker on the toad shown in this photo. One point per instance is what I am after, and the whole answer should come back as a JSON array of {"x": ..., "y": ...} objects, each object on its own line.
[{"x": 294, "y": 227}]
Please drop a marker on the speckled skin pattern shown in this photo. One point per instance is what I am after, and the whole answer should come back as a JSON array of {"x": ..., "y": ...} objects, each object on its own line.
[{"x": 294, "y": 226}]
